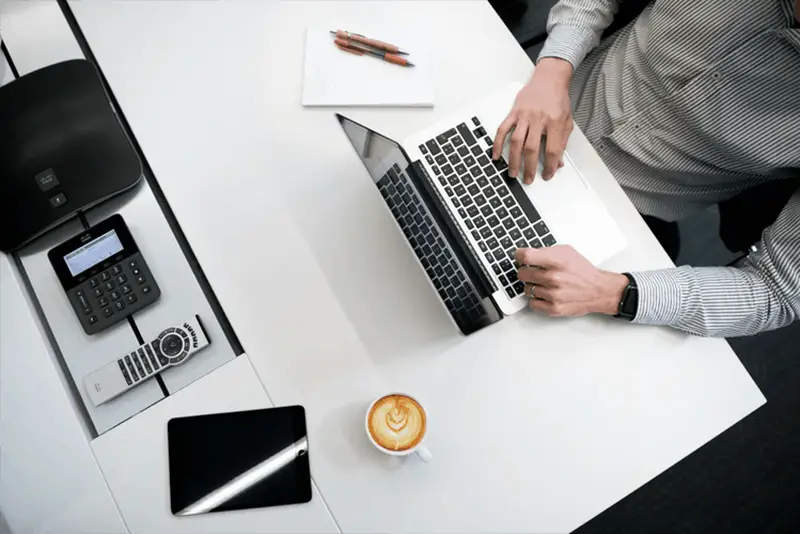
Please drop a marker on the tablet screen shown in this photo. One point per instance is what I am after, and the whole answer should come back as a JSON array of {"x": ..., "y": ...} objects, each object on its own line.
[{"x": 238, "y": 460}]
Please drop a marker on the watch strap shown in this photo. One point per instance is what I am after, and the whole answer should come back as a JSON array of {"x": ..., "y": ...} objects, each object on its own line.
[{"x": 629, "y": 304}]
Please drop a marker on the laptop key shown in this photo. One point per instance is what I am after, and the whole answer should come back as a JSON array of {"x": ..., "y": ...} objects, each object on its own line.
[
  {"x": 457, "y": 141},
  {"x": 436, "y": 170},
  {"x": 506, "y": 243},
  {"x": 482, "y": 245},
  {"x": 510, "y": 292},
  {"x": 467, "y": 179},
  {"x": 508, "y": 223},
  {"x": 488, "y": 191},
  {"x": 449, "y": 191},
  {"x": 469, "y": 223},
  {"x": 442, "y": 180},
  {"x": 502, "y": 191},
  {"x": 433, "y": 147},
  {"x": 473, "y": 190},
  {"x": 499, "y": 232},
  {"x": 472, "y": 211},
  {"x": 476, "y": 172},
  {"x": 498, "y": 254},
  {"x": 461, "y": 212},
  {"x": 496, "y": 268},
  {"x": 459, "y": 190},
  {"x": 476, "y": 150},
  {"x": 476, "y": 235},
  {"x": 423, "y": 149},
  {"x": 447, "y": 169},
  {"x": 479, "y": 222},
  {"x": 489, "y": 257},
  {"x": 456, "y": 202},
  {"x": 549, "y": 240},
  {"x": 515, "y": 234},
  {"x": 496, "y": 181},
  {"x": 482, "y": 181},
  {"x": 486, "y": 233},
  {"x": 535, "y": 243},
  {"x": 500, "y": 164},
  {"x": 463, "y": 151},
  {"x": 448, "y": 149},
  {"x": 479, "y": 132},
  {"x": 521, "y": 243},
  {"x": 441, "y": 159},
  {"x": 461, "y": 169},
  {"x": 529, "y": 234},
  {"x": 488, "y": 141},
  {"x": 516, "y": 212},
  {"x": 442, "y": 138},
  {"x": 454, "y": 159},
  {"x": 541, "y": 228},
  {"x": 488, "y": 170},
  {"x": 466, "y": 134},
  {"x": 429, "y": 159},
  {"x": 487, "y": 210},
  {"x": 480, "y": 200},
  {"x": 466, "y": 200},
  {"x": 469, "y": 161},
  {"x": 475, "y": 121},
  {"x": 492, "y": 243},
  {"x": 495, "y": 202},
  {"x": 502, "y": 213},
  {"x": 493, "y": 221}
]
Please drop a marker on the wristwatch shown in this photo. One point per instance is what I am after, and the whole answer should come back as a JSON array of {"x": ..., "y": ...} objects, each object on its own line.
[{"x": 629, "y": 304}]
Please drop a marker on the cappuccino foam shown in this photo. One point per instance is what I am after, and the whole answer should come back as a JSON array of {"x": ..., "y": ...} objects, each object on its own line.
[{"x": 396, "y": 422}]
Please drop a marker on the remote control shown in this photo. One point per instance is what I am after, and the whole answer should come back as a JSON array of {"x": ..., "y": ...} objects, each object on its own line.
[{"x": 172, "y": 347}]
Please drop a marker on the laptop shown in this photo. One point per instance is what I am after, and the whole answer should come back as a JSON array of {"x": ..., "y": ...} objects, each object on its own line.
[{"x": 463, "y": 216}]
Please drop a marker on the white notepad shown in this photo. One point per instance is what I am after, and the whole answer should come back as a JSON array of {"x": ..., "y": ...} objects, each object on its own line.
[{"x": 336, "y": 78}]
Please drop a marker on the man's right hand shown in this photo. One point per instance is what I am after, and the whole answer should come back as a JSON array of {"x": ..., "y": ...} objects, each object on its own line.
[{"x": 542, "y": 108}]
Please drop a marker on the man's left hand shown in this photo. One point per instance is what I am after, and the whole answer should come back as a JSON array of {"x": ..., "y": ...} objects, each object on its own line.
[{"x": 563, "y": 283}]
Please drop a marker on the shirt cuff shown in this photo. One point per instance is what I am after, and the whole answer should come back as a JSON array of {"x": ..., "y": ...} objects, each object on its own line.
[
  {"x": 569, "y": 43},
  {"x": 660, "y": 296}
]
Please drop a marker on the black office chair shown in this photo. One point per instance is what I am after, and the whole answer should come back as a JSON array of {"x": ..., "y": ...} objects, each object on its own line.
[{"x": 743, "y": 218}]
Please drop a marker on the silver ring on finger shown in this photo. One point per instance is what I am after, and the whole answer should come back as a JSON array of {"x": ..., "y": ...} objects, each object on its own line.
[{"x": 530, "y": 293}]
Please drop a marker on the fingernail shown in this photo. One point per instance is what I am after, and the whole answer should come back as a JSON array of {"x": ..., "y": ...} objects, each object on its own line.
[
  {"x": 528, "y": 181},
  {"x": 547, "y": 175}
]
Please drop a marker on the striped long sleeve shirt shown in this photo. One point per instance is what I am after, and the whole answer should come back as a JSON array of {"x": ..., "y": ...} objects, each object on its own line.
[{"x": 688, "y": 105}]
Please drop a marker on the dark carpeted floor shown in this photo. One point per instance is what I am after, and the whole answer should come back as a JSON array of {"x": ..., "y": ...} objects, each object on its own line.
[{"x": 748, "y": 479}]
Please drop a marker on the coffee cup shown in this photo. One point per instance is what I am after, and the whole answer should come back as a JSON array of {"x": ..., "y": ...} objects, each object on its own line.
[{"x": 396, "y": 424}]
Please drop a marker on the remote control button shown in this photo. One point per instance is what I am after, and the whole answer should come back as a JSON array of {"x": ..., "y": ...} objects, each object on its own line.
[
  {"x": 92, "y": 319},
  {"x": 138, "y": 364},
  {"x": 98, "y": 291},
  {"x": 102, "y": 301},
  {"x": 127, "y": 378},
  {"x": 131, "y": 298},
  {"x": 126, "y": 289},
  {"x": 146, "y": 290},
  {"x": 150, "y": 355},
  {"x": 116, "y": 270},
  {"x": 132, "y": 264},
  {"x": 119, "y": 305},
  {"x": 145, "y": 362},
  {"x": 87, "y": 310},
  {"x": 93, "y": 282},
  {"x": 109, "y": 286},
  {"x": 136, "y": 271},
  {"x": 115, "y": 295},
  {"x": 131, "y": 369},
  {"x": 140, "y": 279},
  {"x": 121, "y": 365},
  {"x": 157, "y": 350},
  {"x": 121, "y": 279},
  {"x": 108, "y": 312},
  {"x": 171, "y": 345},
  {"x": 179, "y": 358},
  {"x": 79, "y": 293},
  {"x": 105, "y": 276}
]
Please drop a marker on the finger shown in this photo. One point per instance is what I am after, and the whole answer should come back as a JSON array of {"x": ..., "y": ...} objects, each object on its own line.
[
  {"x": 561, "y": 162},
  {"x": 544, "y": 306},
  {"x": 517, "y": 145},
  {"x": 532, "y": 145},
  {"x": 536, "y": 291},
  {"x": 538, "y": 257},
  {"x": 554, "y": 150},
  {"x": 534, "y": 275},
  {"x": 502, "y": 132}
]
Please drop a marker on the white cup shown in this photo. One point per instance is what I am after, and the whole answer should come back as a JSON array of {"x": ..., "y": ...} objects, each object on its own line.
[{"x": 419, "y": 449}]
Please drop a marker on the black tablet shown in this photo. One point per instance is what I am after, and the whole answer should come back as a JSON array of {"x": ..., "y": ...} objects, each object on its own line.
[{"x": 238, "y": 460}]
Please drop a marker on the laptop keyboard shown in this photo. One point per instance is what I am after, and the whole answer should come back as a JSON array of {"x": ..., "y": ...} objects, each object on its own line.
[
  {"x": 495, "y": 208},
  {"x": 431, "y": 248}
]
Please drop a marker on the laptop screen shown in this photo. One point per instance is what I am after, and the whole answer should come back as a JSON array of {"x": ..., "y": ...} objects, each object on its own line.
[{"x": 424, "y": 226}]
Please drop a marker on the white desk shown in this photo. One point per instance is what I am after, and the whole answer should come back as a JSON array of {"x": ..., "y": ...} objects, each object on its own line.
[{"x": 536, "y": 424}]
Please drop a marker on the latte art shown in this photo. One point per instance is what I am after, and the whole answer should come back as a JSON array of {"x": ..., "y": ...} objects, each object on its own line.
[{"x": 396, "y": 422}]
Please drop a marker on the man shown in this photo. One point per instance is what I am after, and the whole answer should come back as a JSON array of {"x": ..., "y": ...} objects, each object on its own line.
[{"x": 690, "y": 104}]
